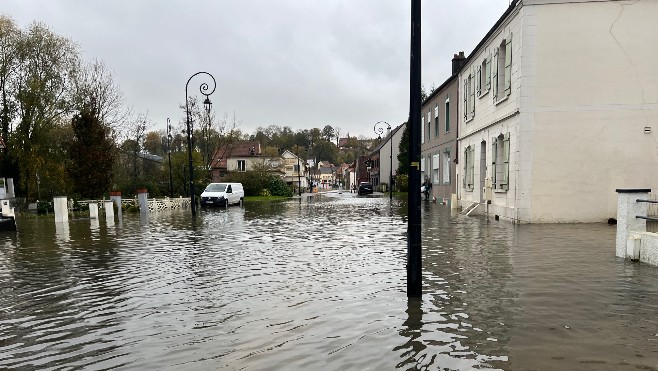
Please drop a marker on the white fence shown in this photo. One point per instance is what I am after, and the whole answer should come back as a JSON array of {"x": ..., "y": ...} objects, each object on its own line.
[{"x": 153, "y": 204}]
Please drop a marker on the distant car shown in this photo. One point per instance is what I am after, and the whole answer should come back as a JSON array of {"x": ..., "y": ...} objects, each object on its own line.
[
  {"x": 222, "y": 194},
  {"x": 365, "y": 188}
]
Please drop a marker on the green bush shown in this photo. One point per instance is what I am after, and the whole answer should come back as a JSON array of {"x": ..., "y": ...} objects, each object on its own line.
[
  {"x": 278, "y": 187},
  {"x": 260, "y": 183},
  {"x": 402, "y": 183}
]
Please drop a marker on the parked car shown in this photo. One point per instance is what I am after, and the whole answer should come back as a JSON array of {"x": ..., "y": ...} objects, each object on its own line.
[
  {"x": 222, "y": 194},
  {"x": 365, "y": 188}
]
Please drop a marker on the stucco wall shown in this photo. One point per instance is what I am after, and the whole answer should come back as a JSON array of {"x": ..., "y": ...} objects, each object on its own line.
[{"x": 595, "y": 90}]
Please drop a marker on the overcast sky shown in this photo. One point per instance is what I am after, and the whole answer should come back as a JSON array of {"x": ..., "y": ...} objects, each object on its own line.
[{"x": 297, "y": 63}]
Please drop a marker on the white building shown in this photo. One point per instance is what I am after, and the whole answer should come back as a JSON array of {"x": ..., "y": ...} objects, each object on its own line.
[
  {"x": 558, "y": 108},
  {"x": 389, "y": 149},
  {"x": 295, "y": 170}
]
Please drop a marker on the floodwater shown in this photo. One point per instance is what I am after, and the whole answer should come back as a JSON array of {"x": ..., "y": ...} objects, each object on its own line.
[{"x": 320, "y": 285}]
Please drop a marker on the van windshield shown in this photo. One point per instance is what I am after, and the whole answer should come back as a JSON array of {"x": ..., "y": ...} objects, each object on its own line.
[{"x": 216, "y": 187}]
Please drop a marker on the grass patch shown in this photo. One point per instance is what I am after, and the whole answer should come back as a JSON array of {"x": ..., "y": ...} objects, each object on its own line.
[{"x": 264, "y": 198}]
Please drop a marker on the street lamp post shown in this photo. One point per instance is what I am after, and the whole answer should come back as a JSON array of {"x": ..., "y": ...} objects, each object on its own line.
[
  {"x": 299, "y": 176},
  {"x": 169, "y": 138},
  {"x": 203, "y": 88},
  {"x": 379, "y": 129}
]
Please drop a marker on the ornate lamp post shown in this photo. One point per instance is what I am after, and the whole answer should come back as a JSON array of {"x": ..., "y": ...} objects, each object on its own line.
[
  {"x": 379, "y": 130},
  {"x": 203, "y": 88},
  {"x": 299, "y": 176},
  {"x": 169, "y": 139}
]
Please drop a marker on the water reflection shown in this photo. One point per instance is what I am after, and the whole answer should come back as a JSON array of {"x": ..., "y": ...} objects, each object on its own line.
[{"x": 320, "y": 285}]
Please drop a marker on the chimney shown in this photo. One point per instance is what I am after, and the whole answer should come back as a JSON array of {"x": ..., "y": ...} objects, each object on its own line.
[{"x": 458, "y": 62}]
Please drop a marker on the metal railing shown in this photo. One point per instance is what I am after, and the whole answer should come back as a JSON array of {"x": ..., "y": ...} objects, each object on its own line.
[{"x": 652, "y": 212}]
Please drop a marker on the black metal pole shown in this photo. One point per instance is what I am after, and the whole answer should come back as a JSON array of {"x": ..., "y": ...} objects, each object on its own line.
[
  {"x": 414, "y": 263},
  {"x": 203, "y": 89},
  {"x": 390, "y": 175},
  {"x": 299, "y": 179},
  {"x": 171, "y": 179}
]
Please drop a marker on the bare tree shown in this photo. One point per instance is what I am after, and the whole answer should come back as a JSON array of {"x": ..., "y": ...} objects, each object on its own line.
[{"x": 94, "y": 84}]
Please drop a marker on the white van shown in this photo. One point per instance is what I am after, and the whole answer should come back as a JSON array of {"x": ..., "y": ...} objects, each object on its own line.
[{"x": 222, "y": 194}]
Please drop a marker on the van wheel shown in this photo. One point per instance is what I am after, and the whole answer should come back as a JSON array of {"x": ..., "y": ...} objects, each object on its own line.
[{"x": 240, "y": 202}]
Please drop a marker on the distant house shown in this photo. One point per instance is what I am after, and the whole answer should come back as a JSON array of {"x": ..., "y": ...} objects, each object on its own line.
[
  {"x": 327, "y": 175},
  {"x": 241, "y": 157},
  {"x": 295, "y": 170}
]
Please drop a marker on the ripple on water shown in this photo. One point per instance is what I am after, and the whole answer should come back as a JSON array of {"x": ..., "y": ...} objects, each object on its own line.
[{"x": 320, "y": 284}]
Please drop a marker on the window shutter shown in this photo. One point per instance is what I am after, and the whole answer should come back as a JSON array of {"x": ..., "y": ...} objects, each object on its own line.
[
  {"x": 506, "y": 161},
  {"x": 422, "y": 129},
  {"x": 508, "y": 65},
  {"x": 472, "y": 88},
  {"x": 471, "y": 156},
  {"x": 494, "y": 80},
  {"x": 479, "y": 80},
  {"x": 465, "y": 175},
  {"x": 487, "y": 73},
  {"x": 465, "y": 98},
  {"x": 494, "y": 143}
]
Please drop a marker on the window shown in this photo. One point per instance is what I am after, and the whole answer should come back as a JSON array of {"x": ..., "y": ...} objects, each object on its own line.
[
  {"x": 447, "y": 111},
  {"x": 502, "y": 70},
  {"x": 422, "y": 129},
  {"x": 469, "y": 153},
  {"x": 484, "y": 76},
  {"x": 436, "y": 121},
  {"x": 435, "y": 168},
  {"x": 295, "y": 168},
  {"x": 446, "y": 166},
  {"x": 500, "y": 162},
  {"x": 242, "y": 166}
]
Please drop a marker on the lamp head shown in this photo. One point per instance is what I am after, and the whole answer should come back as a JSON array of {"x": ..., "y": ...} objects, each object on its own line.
[{"x": 207, "y": 104}]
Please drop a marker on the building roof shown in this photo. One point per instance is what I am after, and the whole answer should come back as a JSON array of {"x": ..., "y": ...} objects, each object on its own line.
[
  {"x": 475, "y": 50},
  {"x": 234, "y": 150}
]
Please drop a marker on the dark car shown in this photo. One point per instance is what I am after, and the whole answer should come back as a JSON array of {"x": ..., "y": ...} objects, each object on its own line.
[{"x": 365, "y": 188}]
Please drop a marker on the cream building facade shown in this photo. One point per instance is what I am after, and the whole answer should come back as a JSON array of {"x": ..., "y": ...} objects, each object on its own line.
[{"x": 558, "y": 108}]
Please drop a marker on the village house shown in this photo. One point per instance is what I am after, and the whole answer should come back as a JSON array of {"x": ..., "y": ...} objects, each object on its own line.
[
  {"x": 295, "y": 170},
  {"x": 241, "y": 156},
  {"x": 439, "y": 135},
  {"x": 557, "y": 107}
]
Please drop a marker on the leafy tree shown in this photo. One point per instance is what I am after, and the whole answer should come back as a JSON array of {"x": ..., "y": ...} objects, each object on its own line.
[
  {"x": 47, "y": 63},
  {"x": 324, "y": 150},
  {"x": 9, "y": 36},
  {"x": 91, "y": 155},
  {"x": 328, "y": 133},
  {"x": 153, "y": 143},
  {"x": 403, "y": 154}
]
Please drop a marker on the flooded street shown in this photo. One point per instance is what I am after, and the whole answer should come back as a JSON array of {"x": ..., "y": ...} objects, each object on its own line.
[{"x": 320, "y": 284}]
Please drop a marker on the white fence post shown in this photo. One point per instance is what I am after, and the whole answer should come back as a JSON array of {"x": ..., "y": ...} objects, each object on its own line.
[
  {"x": 142, "y": 198},
  {"x": 93, "y": 210},
  {"x": 109, "y": 211},
  {"x": 60, "y": 205},
  {"x": 116, "y": 197},
  {"x": 627, "y": 210}
]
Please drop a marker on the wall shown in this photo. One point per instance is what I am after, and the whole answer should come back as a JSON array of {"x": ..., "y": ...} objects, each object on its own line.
[{"x": 596, "y": 90}]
